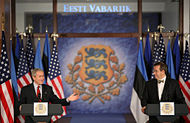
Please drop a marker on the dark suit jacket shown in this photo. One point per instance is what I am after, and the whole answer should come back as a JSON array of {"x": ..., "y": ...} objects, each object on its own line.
[
  {"x": 28, "y": 96},
  {"x": 171, "y": 93}
]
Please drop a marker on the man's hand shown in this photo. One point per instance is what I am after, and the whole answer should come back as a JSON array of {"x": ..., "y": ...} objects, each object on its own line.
[
  {"x": 73, "y": 97},
  {"x": 20, "y": 108},
  {"x": 143, "y": 109}
]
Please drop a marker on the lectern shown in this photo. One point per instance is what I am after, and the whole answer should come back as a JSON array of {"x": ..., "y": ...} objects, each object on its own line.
[
  {"x": 154, "y": 110},
  {"x": 53, "y": 109}
]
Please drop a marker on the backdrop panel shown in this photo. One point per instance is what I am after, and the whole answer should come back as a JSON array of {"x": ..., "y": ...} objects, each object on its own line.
[{"x": 101, "y": 70}]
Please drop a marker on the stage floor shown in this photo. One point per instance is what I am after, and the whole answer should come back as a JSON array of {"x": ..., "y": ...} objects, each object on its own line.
[{"x": 98, "y": 118}]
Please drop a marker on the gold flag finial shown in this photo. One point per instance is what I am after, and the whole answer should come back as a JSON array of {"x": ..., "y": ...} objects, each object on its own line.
[
  {"x": 38, "y": 38},
  {"x": 152, "y": 35},
  {"x": 148, "y": 28},
  {"x": 46, "y": 29},
  {"x": 160, "y": 27},
  {"x": 169, "y": 37},
  {"x": 3, "y": 22},
  {"x": 22, "y": 34},
  {"x": 17, "y": 30},
  {"x": 54, "y": 35},
  {"x": 29, "y": 28},
  {"x": 186, "y": 36},
  {"x": 155, "y": 36}
]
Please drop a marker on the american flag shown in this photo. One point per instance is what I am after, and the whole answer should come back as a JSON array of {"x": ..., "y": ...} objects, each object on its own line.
[
  {"x": 159, "y": 54},
  {"x": 6, "y": 90},
  {"x": 54, "y": 78},
  {"x": 30, "y": 53},
  {"x": 23, "y": 77},
  {"x": 154, "y": 52},
  {"x": 184, "y": 79}
]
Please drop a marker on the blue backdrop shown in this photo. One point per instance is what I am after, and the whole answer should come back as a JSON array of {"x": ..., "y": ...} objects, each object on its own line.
[
  {"x": 126, "y": 52},
  {"x": 96, "y": 22}
]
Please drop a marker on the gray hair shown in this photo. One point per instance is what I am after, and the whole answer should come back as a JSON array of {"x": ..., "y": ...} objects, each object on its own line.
[{"x": 35, "y": 70}]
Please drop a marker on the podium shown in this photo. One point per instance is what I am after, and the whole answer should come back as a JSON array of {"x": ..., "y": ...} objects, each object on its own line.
[
  {"x": 154, "y": 110},
  {"x": 53, "y": 109}
]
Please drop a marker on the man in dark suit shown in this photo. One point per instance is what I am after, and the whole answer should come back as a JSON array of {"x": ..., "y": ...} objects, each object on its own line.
[
  {"x": 161, "y": 89},
  {"x": 39, "y": 92}
]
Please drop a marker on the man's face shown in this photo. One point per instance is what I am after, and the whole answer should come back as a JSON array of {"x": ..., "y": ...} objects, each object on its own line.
[
  {"x": 39, "y": 78},
  {"x": 157, "y": 73}
]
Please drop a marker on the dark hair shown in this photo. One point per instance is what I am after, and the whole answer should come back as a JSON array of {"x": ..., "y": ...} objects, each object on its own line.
[{"x": 163, "y": 66}]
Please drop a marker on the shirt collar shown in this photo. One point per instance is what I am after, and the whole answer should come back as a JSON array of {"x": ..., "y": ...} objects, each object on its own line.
[
  {"x": 164, "y": 79},
  {"x": 36, "y": 85}
]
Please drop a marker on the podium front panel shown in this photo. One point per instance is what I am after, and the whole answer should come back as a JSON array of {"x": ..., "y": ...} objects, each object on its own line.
[
  {"x": 53, "y": 109},
  {"x": 154, "y": 109}
]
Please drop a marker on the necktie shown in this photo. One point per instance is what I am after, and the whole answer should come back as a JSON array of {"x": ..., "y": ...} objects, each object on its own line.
[
  {"x": 38, "y": 94},
  {"x": 160, "y": 81}
]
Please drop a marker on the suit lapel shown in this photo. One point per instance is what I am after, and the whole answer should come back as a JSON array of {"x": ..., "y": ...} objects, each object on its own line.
[
  {"x": 33, "y": 92},
  {"x": 164, "y": 93},
  {"x": 44, "y": 93},
  {"x": 156, "y": 89}
]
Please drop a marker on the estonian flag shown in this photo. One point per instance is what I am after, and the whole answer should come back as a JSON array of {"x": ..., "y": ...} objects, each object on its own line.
[
  {"x": 169, "y": 61},
  {"x": 139, "y": 84},
  {"x": 148, "y": 57},
  {"x": 46, "y": 55}
]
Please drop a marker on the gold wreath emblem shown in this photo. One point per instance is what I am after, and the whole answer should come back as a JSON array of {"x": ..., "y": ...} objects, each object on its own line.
[
  {"x": 40, "y": 108},
  {"x": 167, "y": 108},
  {"x": 101, "y": 91}
]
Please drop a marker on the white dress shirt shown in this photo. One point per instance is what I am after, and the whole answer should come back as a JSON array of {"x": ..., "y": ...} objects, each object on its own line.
[
  {"x": 36, "y": 87},
  {"x": 161, "y": 87}
]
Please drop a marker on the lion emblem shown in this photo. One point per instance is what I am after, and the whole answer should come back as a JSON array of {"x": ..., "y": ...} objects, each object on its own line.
[{"x": 96, "y": 73}]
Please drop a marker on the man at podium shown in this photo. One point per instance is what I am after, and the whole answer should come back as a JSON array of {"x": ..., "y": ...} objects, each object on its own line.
[
  {"x": 39, "y": 92},
  {"x": 161, "y": 89}
]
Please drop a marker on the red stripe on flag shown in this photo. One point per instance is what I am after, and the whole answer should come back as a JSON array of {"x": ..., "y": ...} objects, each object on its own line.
[
  {"x": 2, "y": 119},
  {"x": 188, "y": 84},
  {"x": 10, "y": 90},
  {"x": 4, "y": 103},
  {"x": 56, "y": 117},
  {"x": 60, "y": 82},
  {"x": 26, "y": 80},
  {"x": 19, "y": 83},
  {"x": 184, "y": 90},
  {"x": 186, "y": 119},
  {"x": 187, "y": 96},
  {"x": 64, "y": 107},
  {"x": 55, "y": 87},
  {"x": 17, "y": 120}
]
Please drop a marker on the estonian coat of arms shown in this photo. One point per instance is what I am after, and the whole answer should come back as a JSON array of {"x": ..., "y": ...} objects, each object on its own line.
[{"x": 96, "y": 73}]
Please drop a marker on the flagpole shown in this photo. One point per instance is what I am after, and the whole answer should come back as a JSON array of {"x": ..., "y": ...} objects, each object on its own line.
[
  {"x": 54, "y": 36},
  {"x": 46, "y": 29},
  {"x": 155, "y": 36},
  {"x": 29, "y": 28},
  {"x": 3, "y": 22},
  {"x": 3, "y": 28},
  {"x": 148, "y": 29},
  {"x": 160, "y": 27},
  {"x": 22, "y": 34}
]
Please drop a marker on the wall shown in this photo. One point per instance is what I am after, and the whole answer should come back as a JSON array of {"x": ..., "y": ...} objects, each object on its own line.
[
  {"x": 22, "y": 8},
  {"x": 170, "y": 17},
  {"x": 186, "y": 19}
]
